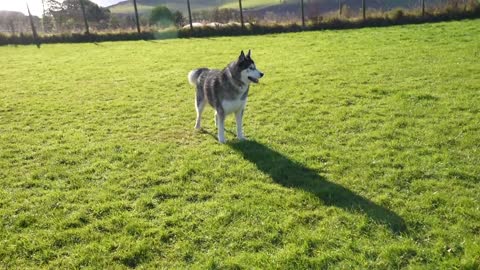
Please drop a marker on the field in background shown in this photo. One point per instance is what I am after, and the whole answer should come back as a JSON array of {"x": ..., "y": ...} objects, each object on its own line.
[
  {"x": 254, "y": 3},
  {"x": 279, "y": 6},
  {"x": 123, "y": 8},
  {"x": 363, "y": 153},
  {"x": 128, "y": 8}
]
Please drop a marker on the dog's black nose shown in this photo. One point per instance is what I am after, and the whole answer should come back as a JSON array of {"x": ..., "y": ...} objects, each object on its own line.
[{"x": 261, "y": 75}]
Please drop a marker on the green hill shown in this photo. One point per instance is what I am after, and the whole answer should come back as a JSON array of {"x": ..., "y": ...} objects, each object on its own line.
[
  {"x": 146, "y": 5},
  {"x": 13, "y": 21},
  {"x": 256, "y": 3}
]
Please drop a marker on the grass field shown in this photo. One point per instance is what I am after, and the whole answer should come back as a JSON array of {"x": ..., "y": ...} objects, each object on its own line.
[{"x": 363, "y": 153}]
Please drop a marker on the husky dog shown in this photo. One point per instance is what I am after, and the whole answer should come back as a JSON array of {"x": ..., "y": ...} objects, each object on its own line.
[{"x": 225, "y": 90}]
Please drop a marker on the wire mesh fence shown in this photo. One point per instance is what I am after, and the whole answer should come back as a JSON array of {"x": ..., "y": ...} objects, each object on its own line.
[{"x": 85, "y": 16}]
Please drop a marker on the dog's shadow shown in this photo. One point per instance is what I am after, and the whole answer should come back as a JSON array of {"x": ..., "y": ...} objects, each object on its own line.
[{"x": 289, "y": 173}]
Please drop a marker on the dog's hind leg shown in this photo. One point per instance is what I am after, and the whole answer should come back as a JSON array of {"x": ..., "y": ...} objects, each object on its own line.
[{"x": 199, "y": 106}]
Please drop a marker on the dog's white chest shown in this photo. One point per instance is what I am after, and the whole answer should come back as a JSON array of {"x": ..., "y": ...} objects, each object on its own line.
[{"x": 230, "y": 106}]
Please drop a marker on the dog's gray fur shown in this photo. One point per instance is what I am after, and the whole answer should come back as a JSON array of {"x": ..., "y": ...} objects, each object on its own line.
[{"x": 225, "y": 90}]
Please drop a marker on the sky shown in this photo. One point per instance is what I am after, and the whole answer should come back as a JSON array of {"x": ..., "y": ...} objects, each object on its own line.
[{"x": 36, "y": 5}]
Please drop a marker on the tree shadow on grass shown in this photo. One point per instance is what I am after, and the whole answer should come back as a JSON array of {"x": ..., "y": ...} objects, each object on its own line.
[{"x": 291, "y": 174}]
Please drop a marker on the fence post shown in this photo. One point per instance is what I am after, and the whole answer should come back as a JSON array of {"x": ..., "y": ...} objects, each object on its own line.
[
  {"x": 423, "y": 8},
  {"x": 363, "y": 9},
  {"x": 189, "y": 15},
  {"x": 136, "y": 15},
  {"x": 340, "y": 8},
  {"x": 303, "y": 14},
  {"x": 82, "y": 5},
  {"x": 241, "y": 13},
  {"x": 43, "y": 16},
  {"x": 34, "y": 31}
]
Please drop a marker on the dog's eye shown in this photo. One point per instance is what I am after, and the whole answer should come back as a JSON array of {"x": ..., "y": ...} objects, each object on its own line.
[{"x": 252, "y": 68}]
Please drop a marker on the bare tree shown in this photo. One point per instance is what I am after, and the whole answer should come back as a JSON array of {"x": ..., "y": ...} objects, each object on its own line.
[{"x": 56, "y": 15}]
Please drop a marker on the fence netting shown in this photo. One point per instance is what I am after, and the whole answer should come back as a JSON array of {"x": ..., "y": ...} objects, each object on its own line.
[{"x": 79, "y": 16}]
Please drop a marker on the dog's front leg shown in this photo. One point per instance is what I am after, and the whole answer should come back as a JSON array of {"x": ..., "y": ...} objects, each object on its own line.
[
  {"x": 239, "y": 120},
  {"x": 220, "y": 116}
]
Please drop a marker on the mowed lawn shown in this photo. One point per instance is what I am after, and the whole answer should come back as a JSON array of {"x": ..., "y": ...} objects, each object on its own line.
[{"x": 363, "y": 153}]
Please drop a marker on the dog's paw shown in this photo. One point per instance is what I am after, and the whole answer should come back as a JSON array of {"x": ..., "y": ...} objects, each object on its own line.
[
  {"x": 243, "y": 138},
  {"x": 222, "y": 141},
  {"x": 200, "y": 131}
]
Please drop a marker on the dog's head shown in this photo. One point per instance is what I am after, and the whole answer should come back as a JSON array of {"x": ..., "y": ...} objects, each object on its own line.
[{"x": 248, "y": 70}]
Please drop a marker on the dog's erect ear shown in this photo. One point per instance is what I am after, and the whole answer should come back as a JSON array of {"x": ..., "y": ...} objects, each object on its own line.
[
  {"x": 248, "y": 54},
  {"x": 242, "y": 56}
]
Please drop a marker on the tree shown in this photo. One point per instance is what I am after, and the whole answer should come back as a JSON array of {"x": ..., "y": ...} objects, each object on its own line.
[
  {"x": 178, "y": 19},
  {"x": 68, "y": 14},
  {"x": 161, "y": 16},
  {"x": 54, "y": 11}
]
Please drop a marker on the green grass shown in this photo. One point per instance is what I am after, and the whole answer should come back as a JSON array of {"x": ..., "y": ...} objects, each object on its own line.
[{"x": 363, "y": 153}]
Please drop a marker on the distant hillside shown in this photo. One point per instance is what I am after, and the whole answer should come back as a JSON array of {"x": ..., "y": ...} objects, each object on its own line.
[
  {"x": 318, "y": 7},
  {"x": 15, "y": 22},
  {"x": 261, "y": 5},
  {"x": 181, "y": 5}
]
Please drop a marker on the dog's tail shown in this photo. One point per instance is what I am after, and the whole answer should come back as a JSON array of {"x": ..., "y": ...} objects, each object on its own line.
[{"x": 194, "y": 74}]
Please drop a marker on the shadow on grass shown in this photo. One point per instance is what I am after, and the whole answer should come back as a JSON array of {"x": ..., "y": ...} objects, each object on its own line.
[{"x": 291, "y": 174}]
